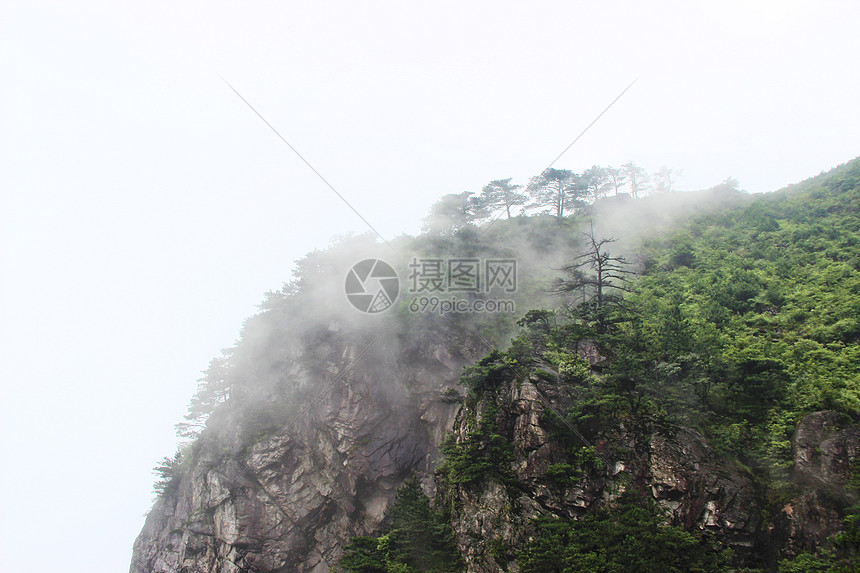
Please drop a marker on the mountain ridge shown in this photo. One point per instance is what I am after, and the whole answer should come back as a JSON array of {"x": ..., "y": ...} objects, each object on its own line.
[{"x": 322, "y": 415}]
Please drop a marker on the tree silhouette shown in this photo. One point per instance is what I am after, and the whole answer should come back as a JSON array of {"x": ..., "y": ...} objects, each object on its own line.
[
  {"x": 664, "y": 180},
  {"x": 617, "y": 178},
  {"x": 559, "y": 189},
  {"x": 212, "y": 389},
  {"x": 597, "y": 181},
  {"x": 452, "y": 212},
  {"x": 501, "y": 194},
  {"x": 637, "y": 177}
]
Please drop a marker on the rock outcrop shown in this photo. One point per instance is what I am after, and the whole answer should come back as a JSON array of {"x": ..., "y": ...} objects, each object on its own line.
[
  {"x": 289, "y": 499},
  {"x": 824, "y": 448},
  {"x": 698, "y": 489},
  {"x": 292, "y": 498}
]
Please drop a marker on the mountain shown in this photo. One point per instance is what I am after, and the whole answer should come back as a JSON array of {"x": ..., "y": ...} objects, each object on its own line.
[{"x": 674, "y": 383}]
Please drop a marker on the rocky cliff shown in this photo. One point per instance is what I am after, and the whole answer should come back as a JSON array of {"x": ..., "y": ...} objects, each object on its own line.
[
  {"x": 825, "y": 450},
  {"x": 698, "y": 489},
  {"x": 289, "y": 499},
  {"x": 721, "y": 390},
  {"x": 693, "y": 485},
  {"x": 292, "y": 500}
]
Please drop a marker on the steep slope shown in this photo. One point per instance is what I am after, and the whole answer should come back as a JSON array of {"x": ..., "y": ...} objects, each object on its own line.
[
  {"x": 316, "y": 417},
  {"x": 512, "y": 460},
  {"x": 724, "y": 389},
  {"x": 550, "y": 472},
  {"x": 286, "y": 501}
]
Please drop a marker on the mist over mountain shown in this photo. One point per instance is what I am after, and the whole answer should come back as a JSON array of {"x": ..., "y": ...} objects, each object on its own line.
[{"x": 669, "y": 381}]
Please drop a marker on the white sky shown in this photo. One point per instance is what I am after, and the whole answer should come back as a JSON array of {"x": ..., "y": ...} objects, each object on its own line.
[{"x": 145, "y": 209}]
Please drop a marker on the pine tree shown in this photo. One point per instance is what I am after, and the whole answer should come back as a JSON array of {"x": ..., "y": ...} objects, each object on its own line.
[
  {"x": 637, "y": 177},
  {"x": 501, "y": 194},
  {"x": 559, "y": 189}
]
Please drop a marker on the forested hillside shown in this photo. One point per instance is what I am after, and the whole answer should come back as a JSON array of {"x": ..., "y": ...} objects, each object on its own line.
[
  {"x": 740, "y": 323},
  {"x": 678, "y": 389}
]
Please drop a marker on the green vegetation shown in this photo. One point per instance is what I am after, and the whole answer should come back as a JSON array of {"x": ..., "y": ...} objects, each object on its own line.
[
  {"x": 584, "y": 460},
  {"x": 414, "y": 538},
  {"x": 629, "y": 535},
  {"x": 483, "y": 453},
  {"x": 750, "y": 319},
  {"x": 559, "y": 192},
  {"x": 843, "y": 555},
  {"x": 170, "y": 471},
  {"x": 743, "y": 320},
  {"x": 737, "y": 321}
]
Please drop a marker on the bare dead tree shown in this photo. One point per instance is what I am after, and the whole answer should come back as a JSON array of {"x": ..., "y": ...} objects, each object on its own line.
[{"x": 598, "y": 278}]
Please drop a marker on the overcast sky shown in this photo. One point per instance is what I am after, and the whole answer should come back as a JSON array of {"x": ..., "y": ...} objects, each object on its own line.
[{"x": 146, "y": 209}]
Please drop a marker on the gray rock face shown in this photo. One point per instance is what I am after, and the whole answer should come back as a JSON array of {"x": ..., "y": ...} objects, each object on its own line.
[
  {"x": 824, "y": 447},
  {"x": 697, "y": 488},
  {"x": 290, "y": 500}
]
